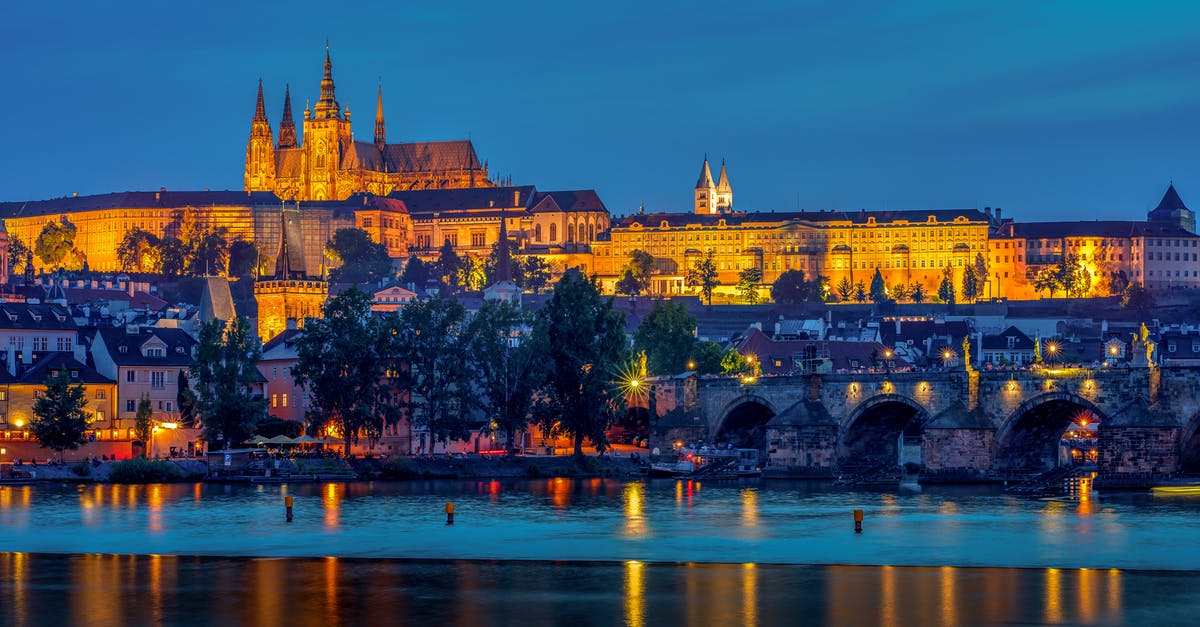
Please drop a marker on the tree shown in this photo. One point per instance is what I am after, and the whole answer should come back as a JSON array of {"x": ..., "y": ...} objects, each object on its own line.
[
  {"x": 706, "y": 357},
  {"x": 472, "y": 274},
  {"x": 1118, "y": 282},
  {"x": 416, "y": 272},
  {"x": 641, "y": 267},
  {"x": 344, "y": 363},
  {"x": 845, "y": 290},
  {"x": 185, "y": 398},
  {"x": 878, "y": 291},
  {"x": 629, "y": 284},
  {"x": 792, "y": 288},
  {"x": 981, "y": 273},
  {"x": 1074, "y": 279},
  {"x": 1047, "y": 279},
  {"x": 60, "y": 416},
  {"x": 143, "y": 423},
  {"x": 860, "y": 292},
  {"x": 434, "y": 346},
  {"x": 667, "y": 335},
  {"x": 243, "y": 258},
  {"x": 507, "y": 366},
  {"x": 1136, "y": 298},
  {"x": 946, "y": 287},
  {"x": 358, "y": 258},
  {"x": 491, "y": 266},
  {"x": 585, "y": 345},
  {"x": 18, "y": 254},
  {"x": 223, "y": 375},
  {"x": 970, "y": 284},
  {"x": 747, "y": 287},
  {"x": 140, "y": 251},
  {"x": 704, "y": 275},
  {"x": 917, "y": 293},
  {"x": 900, "y": 292},
  {"x": 174, "y": 257},
  {"x": 210, "y": 257},
  {"x": 535, "y": 274},
  {"x": 55, "y": 243},
  {"x": 448, "y": 267}
]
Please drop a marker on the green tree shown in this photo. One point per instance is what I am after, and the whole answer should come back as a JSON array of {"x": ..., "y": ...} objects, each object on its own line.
[
  {"x": 585, "y": 345},
  {"x": 416, "y": 272},
  {"x": 733, "y": 362},
  {"x": 535, "y": 274},
  {"x": 60, "y": 416},
  {"x": 345, "y": 364},
  {"x": 747, "y": 287},
  {"x": 434, "y": 345},
  {"x": 357, "y": 257},
  {"x": 845, "y": 290},
  {"x": 667, "y": 335},
  {"x": 1136, "y": 299},
  {"x": 1118, "y": 282},
  {"x": 55, "y": 243},
  {"x": 143, "y": 423},
  {"x": 900, "y": 292},
  {"x": 173, "y": 256},
  {"x": 982, "y": 273},
  {"x": 210, "y": 256},
  {"x": 641, "y": 267},
  {"x": 1048, "y": 280},
  {"x": 506, "y": 366},
  {"x": 243, "y": 258},
  {"x": 18, "y": 254},
  {"x": 448, "y": 268},
  {"x": 860, "y": 292},
  {"x": 705, "y": 357},
  {"x": 704, "y": 276},
  {"x": 970, "y": 284},
  {"x": 223, "y": 375},
  {"x": 917, "y": 293},
  {"x": 946, "y": 287},
  {"x": 878, "y": 290},
  {"x": 140, "y": 251},
  {"x": 628, "y": 284},
  {"x": 792, "y": 288}
]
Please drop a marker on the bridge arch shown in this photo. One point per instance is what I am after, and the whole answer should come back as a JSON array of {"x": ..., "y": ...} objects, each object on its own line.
[
  {"x": 1028, "y": 439},
  {"x": 743, "y": 422},
  {"x": 873, "y": 432}
]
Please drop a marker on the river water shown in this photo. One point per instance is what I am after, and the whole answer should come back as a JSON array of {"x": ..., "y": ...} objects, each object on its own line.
[{"x": 591, "y": 551}]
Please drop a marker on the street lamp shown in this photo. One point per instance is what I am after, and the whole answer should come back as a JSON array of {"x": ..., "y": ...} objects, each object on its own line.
[
  {"x": 1051, "y": 349},
  {"x": 887, "y": 360}
]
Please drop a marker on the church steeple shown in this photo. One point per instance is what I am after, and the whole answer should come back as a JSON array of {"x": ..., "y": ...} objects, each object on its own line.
[
  {"x": 724, "y": 195},
  {"x": 327, "y": 106},
  {"x": 706, "y": 190},
  {"x": 260, "y": 111},
  {"x": 287, "y": 127},
  {"x": 260, "y": 150},
  {"x": 380, "y": 133}
]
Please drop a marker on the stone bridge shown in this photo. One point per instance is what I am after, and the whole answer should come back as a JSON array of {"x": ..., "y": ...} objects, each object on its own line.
[{"x": 953, "y": 423}]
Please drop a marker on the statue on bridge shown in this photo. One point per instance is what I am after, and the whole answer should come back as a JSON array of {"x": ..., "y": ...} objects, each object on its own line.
[{"x": 966, "y": 346}]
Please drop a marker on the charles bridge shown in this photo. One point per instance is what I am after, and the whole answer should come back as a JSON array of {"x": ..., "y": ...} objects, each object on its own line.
[{"x": 953, "y": 423}]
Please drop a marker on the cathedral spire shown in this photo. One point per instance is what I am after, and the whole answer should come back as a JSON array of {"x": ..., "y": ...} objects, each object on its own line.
[
  {"x": 380, "y": 133},
  {"x": 706, "y": 180},
  {"x": 260, "y": 111},
  {"x": 327, "y": 107},
  {"x": 723, "y": 183},
  {"x": 287, "y": 127}
]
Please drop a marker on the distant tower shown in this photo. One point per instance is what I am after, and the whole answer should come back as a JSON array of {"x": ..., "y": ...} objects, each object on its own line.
[
  {"x": 3, "y": 253},
  {"x": 724, "y": 195},
  {"x": 706, "y": 190},
  {"x": 1172, "y": 210},
  {"x": 287, "y": 127},
  {"x": 260, "y": 150},
  {"x": 380, "y": 133},
  {"x": 326, "y": 133},
  {"x": 290, "y": 295}
]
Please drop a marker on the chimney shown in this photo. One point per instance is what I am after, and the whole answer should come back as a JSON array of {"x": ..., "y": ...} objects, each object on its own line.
[
  {"x": 516, "y": 198},
  {"x": 997, "y": 214}
]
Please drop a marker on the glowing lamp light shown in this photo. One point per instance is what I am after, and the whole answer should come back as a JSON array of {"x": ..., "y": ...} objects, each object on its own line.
[
  {"x": 633, "y": 383},
  {"x": 887, "y": 353},
  {"x": 1112, "y": 350},
  {"x": 691, "y": 365},
  {"x": 946, "y": 354},
  {"x": 1083, "y": 422},
  {"x": 170, "y": 425}
]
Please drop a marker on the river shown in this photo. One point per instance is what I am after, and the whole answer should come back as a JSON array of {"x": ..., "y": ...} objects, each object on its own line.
[{"x": 592, "y": 551}]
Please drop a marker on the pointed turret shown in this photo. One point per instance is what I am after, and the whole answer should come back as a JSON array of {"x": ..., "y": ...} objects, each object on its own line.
[
  {"x": 260, "y": 111},
  {"x": 724, "y": 195},
  {"x": 1172, "y": 210},
  {"x": 706, "y": 190},
  {"x": 287, "y": 127},
  {"x": 380, "y": 133},
  {"x": 260, "y": 150},
  {"x": 327, "y": 107},
  {"x": 289, "y": 263}
]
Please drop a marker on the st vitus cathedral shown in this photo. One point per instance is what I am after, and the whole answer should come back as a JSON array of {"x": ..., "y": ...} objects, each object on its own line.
[{"x": 326, "y": 163}]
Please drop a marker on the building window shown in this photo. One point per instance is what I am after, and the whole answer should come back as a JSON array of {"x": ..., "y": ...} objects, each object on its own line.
[
  {"x": 41, "y": 343},
  {"x": 274, "y": 400},
  {"x": 274, "y": 374},
  {"x": 131, "y": 376},
  {"x": 129, "y": 405},
  {"x": 100, "y": 395},
  {"x": 158, "y": 380},
  {"x": 63, "y": 344},
  {"x": 1170, "y": 347},
  {"x": 3, "y": 395},
  {"x": 283, "y": 399}
]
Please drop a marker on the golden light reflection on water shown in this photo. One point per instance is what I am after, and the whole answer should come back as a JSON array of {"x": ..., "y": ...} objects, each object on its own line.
[
  {"x": 332, "y": 567},
  {"x": 268, "y": 578},
  {"x": 750, "y": 594},
  {"x": 14, "y": 569},
  {"x": 1053, "y": 611},
  {"x": 155, "y": 501},
  {"x": 560, "y": 493},
  {"x": 887, "y": 600},
  {"x": 749, "y": 507},
  {"x": 331, "y": 499},
  {"x": 949, "y": 603},
  {"x": 634, "y": 499},
  {"x": 635, "y": 593},
  {"x": 1114, "y": 590}
]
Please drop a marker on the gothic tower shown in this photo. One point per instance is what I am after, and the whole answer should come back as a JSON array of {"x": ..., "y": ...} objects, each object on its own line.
[
  {"x": 326, "y": 135},
  {"x": 706, "y": 190},
  {"x": 260, "y": 151},
  {"x": 724, "y": 193},
  {"x": 287, "y": 127},
  {"x": 380, "y": 133},
  {"x": 290, "y": 295}
]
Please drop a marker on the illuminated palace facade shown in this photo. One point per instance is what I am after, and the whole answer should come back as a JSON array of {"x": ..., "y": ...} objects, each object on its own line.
[{"x": 326, "y": 162}]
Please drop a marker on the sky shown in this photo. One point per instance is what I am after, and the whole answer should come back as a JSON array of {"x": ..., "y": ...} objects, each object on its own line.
[{"x": 1048, "y": 109}]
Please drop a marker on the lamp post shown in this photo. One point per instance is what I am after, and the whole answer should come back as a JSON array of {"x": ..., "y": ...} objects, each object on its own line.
[
  {"x": 887, "y": 360},
  {"x": 1051, "y": 351}
]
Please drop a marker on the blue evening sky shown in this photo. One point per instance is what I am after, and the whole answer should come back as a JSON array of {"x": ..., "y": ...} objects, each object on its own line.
[{"x": 1051, "y": 110}]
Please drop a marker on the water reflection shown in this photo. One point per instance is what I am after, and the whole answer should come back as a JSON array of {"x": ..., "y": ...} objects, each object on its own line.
[
  {"x": 749, "y": 507},
  {"x": 635, "y": 519},
  {"x": 635, "y": 592}
]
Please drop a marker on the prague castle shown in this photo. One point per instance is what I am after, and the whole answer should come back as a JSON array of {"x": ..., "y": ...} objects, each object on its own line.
[{"x": 325, "y": 162}]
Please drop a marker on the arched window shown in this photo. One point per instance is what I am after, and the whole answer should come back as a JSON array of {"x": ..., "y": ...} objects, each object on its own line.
[
  {"x": 570, "y": 232},
  {"x": 591, "y": 232},
  {"x": 537, "y": 232},
  {"x": 553, "y": 233}
]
